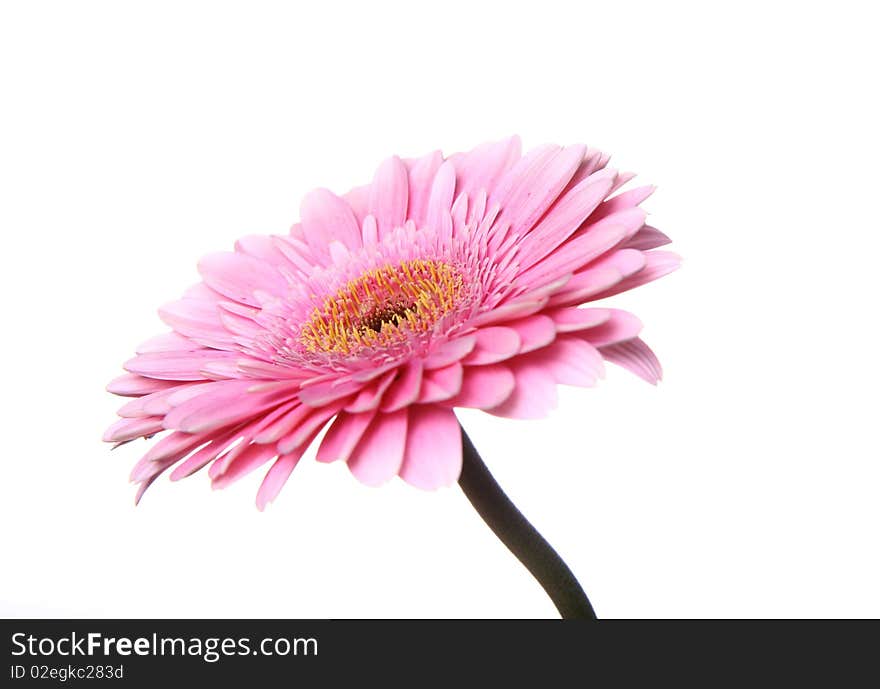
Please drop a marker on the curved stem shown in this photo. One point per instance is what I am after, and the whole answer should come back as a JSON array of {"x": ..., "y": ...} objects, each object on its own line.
[{"x": 523, "y": 540}]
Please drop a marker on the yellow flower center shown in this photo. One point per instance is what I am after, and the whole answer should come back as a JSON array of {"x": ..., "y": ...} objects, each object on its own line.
[{"x": 383, "y": 307}]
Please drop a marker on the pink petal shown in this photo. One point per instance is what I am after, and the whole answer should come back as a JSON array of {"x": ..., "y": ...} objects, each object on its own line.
[
  {"x": 372, "y": 373},
  {"x": 132, "y": 385},
  {"x": 405, "y": 389},
  {"x": 379, "y": 454},
  {"x": 633, "y": 219},
  {"x": 535, "y": 182},
  {"x": 187, "y": 391},
  {"x": 278, "y": 474},
  {"x": 493, "y": 345},
  {"x": 225, "y": 403},
  {"x": 441, "y": 383},
  {"x": 201, "y": 292},
  {"x": 534, "y": 395},
  {"x": 129, "y": 429},
  {"x": 421, "y": 178},
  {"x": 450, "y": 351},
  {"x": 459, "y": 212},
  {"x": 576, "y": 253},
  {"x": 325, "y": 217},
  {"x": 222, "y": 369},
  {"x": 432, "y": 457},
  {"x": 158, "y": 469},
  {"x": 281, "y": 385},
  {"x": 240, "y": 277},
  {"x": 571, "y": 319},
  {"x": 255, "y": 368},
  {"x": 657, "y": 264},
  {"x": 145, "y": 469},
  {"x": 204, "y": 456},
  {"x": 175, "y": 445},
  {"x": 601, "y": 275},
  {"x": 647, "y": 238},
  {"x": 588, "y": 283},
  {"x": 263, "y": 247},
  {"x": 483, "y": 167},
  {"x": 250, "y": 431},
  {"x": 484, "y": 387},
  {"x": 198, "y": 320},
  {"x": 635, "y": 356},
  {"x": 371, "y": 395},
  {"x": 522, "y": 171},
  {"x": 620, "y": 326},
  {"x": 343, "y": 436},
  {"x": 146, "y": 472},
  {"x": 313, "y": 423},
  {"x": 241, "y": 443},
  {"x": 442, "y": 225},
  {"x": 625, "y": 261},
  {"x": 594, "y": 160},
  {"x": 388, "y": 194},
  {"x": 370, "y": 231},
  {"x": 563, "y": 219},
  {"x": 442, "y": 192},
  {"x": 155, "y": 404},
  {"x": 627, "y": 199},
  {"x": 476, "y": 206},
  {"x": 245, "y": 328},
  {"x": 359, "y": 200},
  {"x": 519, "y": 308},
  {"x": 571, "y": 361},
  {"x": 621, "y": 179},
  {"x": 249, "y": 458},
  {"x": 534, "y": 332},
  {"x": 541, "y": 289},
  {"x": 298, "y": 252},
  {"x": 291, "y": 416},
  {"x": 168, "y": 342},
  {"x": 339, "y": 253},
  {"x": 329, "y": 391}
]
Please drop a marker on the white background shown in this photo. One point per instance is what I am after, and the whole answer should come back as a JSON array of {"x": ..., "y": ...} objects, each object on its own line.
[{"x": 137, "y": 137}]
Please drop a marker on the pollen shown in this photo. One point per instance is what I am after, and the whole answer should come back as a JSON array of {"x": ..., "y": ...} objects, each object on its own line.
[{"x": 384, "y": 307}]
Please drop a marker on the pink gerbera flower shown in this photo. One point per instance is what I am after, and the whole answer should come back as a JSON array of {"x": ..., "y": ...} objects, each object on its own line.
[{"x": 446, "y": 282}]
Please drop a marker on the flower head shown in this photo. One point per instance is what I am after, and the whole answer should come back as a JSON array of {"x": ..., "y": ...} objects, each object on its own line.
[{"x": 446, "y": 282}]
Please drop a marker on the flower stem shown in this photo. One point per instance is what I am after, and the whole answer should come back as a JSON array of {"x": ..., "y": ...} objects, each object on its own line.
[{"x": 523, "y": 540}]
